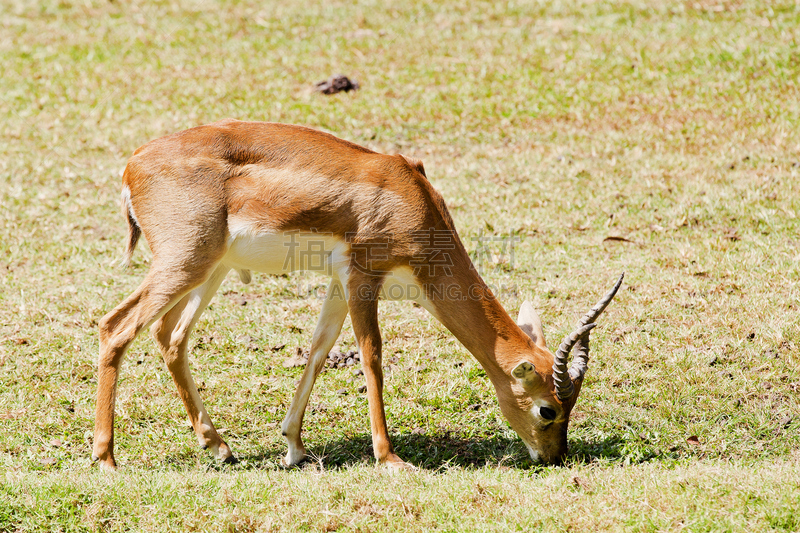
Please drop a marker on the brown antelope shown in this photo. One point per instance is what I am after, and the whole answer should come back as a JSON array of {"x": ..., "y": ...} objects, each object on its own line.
[{"x": 257, "y": 196}]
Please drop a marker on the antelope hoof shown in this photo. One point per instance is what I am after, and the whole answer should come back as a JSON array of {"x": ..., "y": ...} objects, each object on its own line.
[
  {"x": 223, "y": 454},
  {"x": 395, "y": 465},
  {"x": 107, "y": 465},
  {"x": 294, "y": 457}
]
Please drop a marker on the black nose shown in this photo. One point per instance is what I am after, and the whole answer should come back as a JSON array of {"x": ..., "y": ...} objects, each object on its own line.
[{"x": 558, "y": 459}]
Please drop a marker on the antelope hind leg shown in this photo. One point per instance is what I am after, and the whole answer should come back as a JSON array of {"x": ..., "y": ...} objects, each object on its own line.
[
  {"x": 118, "y": 328},
  {"x": 171, "y": 334}
]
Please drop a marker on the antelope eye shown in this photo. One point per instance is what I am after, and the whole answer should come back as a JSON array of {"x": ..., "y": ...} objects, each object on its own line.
[{"x": 547, "y": 413}]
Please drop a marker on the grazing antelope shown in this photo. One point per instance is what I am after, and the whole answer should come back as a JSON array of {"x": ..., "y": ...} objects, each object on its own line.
[{"x": 260, "y": 196}]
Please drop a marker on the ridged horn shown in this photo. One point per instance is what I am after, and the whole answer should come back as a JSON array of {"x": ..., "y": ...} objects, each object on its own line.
[
  {"x": 581, "y": 360},
  {"x": 561, "y": 377},
  {"x": 564, "y": 377},
  {"x": 595, "y": 311}
]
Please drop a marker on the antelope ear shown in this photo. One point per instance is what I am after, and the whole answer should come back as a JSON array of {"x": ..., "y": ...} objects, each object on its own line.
[
  {"x": 525, "y": 372},
  {"x": 529, "y": 322},
  {"x": 416, "y": 163}
]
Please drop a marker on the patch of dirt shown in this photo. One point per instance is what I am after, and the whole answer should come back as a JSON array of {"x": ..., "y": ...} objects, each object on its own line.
[{"x": 335, "y": 359}]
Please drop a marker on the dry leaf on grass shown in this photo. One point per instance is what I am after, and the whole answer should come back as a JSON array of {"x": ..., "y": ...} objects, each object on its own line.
[
  {"x": 580, "y": 482},
  {"x": 617, "y": 238}
]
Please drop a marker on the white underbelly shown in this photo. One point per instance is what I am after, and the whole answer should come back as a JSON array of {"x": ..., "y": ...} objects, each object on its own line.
[{"x": 279, "y": 253}]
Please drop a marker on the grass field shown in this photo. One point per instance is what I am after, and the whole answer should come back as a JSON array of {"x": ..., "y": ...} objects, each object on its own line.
[{"x": 661, "y": 139}]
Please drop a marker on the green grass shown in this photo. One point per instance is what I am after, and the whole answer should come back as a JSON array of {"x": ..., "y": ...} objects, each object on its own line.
[
  {"x": 364, "y": 498},
  {"x": 570, "y": 125}
]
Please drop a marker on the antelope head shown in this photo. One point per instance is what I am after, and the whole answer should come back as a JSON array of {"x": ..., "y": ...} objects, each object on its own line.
[{"x": 544, "y": 391}]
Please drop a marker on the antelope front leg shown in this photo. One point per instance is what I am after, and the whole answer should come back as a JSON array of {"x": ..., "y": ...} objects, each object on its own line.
[
  {"x": 334, "y": 311},
  {"x": 364, "y": 313}
]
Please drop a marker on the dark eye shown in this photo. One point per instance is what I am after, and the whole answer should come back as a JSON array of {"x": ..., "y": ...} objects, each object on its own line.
[{"x": 547, "y": 413}]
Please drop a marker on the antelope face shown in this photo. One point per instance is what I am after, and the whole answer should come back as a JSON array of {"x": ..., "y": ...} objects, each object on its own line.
[{"x": 537, "y": 415}]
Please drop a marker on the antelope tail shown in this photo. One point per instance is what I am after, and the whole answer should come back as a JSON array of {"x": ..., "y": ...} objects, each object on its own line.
[{"x": 134, "y": 230}]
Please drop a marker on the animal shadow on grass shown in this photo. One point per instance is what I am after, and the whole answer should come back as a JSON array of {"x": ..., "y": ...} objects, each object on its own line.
[
  {"x": 430, "y": 452},
  {"x": 613, "y": 448},
  {"x": 450, "y": 449}
]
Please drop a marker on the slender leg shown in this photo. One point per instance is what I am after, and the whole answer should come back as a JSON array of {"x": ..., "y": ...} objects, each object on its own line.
[
  {"x": 171, "y": 333},
  {"x": 159, "y": 291},
  {"x": 334, "y": 311},
  {"x": 363, "y": 304}
]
